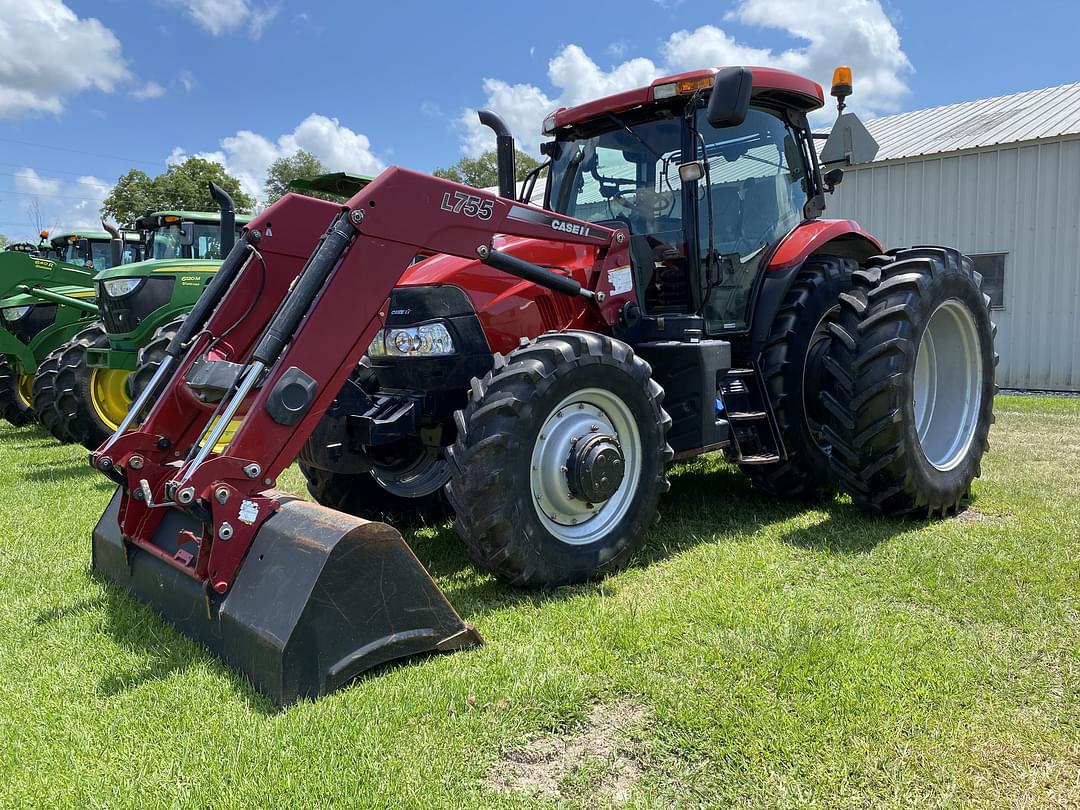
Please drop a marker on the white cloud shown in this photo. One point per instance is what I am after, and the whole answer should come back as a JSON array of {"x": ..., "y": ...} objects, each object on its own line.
[
  {"x": 48, "y": 53},
  {"x": 852, "y": 32},
  {"x": 247, "y": 155},
  {"x": 147, "y": 91},
  {"x": 187, "y": 80},
  {"x": 222, "y": 16},
  {"x": 63, "y": 203}
]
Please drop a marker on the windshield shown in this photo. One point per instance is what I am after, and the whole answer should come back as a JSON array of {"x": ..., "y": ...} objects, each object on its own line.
[
  {"x": 629, "y": 176},
  {"x": 167, "y": 242},
  {"x": 99, "y": 258},
  {"x": 754, "y": 194}
]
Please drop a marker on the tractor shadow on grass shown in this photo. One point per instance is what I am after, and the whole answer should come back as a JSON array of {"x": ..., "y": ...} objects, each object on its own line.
[
  {"x": 709, "y": 502},
  {"x": 163, "y": 651}
]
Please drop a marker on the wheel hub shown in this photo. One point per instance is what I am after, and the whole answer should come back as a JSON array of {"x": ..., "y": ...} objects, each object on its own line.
[
  {"x": 109, "y": 395},
  {"x": 585, "y": 466},
  {"x": 25, "y": 388},
  {"x": 595, "y": 468}
]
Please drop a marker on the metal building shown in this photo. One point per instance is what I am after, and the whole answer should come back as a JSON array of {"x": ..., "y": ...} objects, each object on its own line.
[{"x": 1000, "y": 180}]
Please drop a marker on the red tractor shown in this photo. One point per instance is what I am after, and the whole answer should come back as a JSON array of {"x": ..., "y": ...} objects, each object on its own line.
[{"x": 679, "y": 293}]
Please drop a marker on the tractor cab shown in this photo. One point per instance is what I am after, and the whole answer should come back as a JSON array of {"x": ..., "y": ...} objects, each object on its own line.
[
  {"x": 706, "y": 190},
  {"x": 183, "y": 235},
  {"x": 93, "y": 249}
]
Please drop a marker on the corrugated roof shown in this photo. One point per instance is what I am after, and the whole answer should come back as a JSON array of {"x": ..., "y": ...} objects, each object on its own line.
[{"x": 1006, "y": 119}]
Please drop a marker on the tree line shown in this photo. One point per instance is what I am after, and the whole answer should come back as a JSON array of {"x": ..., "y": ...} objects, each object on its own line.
[{"x": 183, "y": 186}]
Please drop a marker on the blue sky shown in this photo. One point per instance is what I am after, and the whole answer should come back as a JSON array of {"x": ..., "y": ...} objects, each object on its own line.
[{"x": 91, "y": 89}]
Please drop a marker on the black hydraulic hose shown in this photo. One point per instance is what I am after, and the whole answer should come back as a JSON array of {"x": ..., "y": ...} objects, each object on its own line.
[
  {"x": 213, "y": 293},
  {"x": 534, "y": 273},
  {"x": 309, "y": 284}
]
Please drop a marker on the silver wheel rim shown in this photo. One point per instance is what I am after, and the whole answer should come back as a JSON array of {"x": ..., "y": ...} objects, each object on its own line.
[
  {"x": 424, "y": 476},
  {"x": 568, "y": 518},
  {"x": 947, "y": 392}
]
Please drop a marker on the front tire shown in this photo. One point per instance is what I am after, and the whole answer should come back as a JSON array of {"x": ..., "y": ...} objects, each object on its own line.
[
  {"x": 913, "y": 382},
  {"x": 90, "y": 401},
  {"x": 560, "y": 460},
  {"x": 15, "y": 404},
  {"x": 44, "y": 397}
]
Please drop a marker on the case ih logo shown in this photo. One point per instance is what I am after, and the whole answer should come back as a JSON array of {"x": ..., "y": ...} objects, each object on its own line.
[{"x": 570, "y": 227}]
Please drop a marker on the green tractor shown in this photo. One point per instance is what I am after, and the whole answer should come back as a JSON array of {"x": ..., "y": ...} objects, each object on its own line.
[
  {"x": 47, "y": 296},
  {"x": 137, "y": 302}
]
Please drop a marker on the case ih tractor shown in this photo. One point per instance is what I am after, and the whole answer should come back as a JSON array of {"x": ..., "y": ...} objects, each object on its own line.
[
  {"x": 46, "y": 296},
  {"x": 91, "y": 373},
  {"x": 679, "y": 293}
]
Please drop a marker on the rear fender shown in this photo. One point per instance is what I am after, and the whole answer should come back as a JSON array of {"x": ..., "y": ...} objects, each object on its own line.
[{"x": 833, "y": 237}]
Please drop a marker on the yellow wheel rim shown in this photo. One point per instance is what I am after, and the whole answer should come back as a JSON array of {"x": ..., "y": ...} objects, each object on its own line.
[
  {"x": 25, "y": 389},
  {"x": 109, "y": 395}
]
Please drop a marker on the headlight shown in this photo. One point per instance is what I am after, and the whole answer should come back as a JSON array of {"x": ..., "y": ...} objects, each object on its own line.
[
  {"x": 15, "y": 313},
  {"x": 119, "y": 287},
  {"x": 429, "y": 340}
]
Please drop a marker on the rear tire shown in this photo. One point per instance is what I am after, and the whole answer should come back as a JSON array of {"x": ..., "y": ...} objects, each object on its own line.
[
  {"x": 912, "y": 362},
  {"x": 517, "y": 511},
  {"x": 44, "y": 397},
  {"x": 797, "y": 341},
  {"x": 91, "y": 402},
  {"x": 14, "y": 406}
]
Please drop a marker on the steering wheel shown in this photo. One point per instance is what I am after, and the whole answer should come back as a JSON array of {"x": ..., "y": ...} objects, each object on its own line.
[{"x": 645, "y": 203}]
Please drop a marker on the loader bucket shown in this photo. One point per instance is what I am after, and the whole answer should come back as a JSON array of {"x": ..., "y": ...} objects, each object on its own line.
[{"x": 321, "y": 597}]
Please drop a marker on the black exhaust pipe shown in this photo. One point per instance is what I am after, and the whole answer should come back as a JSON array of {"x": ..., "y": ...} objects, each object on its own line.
[
  {"x": 116, "y": 244},
  {"x": 227, "y": 235},
  {"x": 504, "y": 153}
]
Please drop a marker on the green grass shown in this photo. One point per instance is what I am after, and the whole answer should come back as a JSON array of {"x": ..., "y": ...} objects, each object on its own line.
[{"x": 783, "y": 656}]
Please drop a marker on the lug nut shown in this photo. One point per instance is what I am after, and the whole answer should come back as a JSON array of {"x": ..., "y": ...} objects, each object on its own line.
[
  {"x": 252, "y": 470},
  {"x": 225, "y": 532},
  {"x": 221, "y": 494},
  {"x": 186, "y": 495},
  {"x": 136, "y": 462}
]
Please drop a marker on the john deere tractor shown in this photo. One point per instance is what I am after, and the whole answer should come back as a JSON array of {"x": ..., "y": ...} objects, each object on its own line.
[
  {"x": 46, "y": 297},
  {"x": 183, "y": 250}
]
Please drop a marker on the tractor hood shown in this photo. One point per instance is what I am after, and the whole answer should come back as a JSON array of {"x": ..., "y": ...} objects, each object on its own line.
[
  {"x": 154, "y": 267},
  {"x": 508, "y": 307}
]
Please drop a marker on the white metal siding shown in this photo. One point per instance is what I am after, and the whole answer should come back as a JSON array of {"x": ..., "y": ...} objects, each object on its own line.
[{"x": 1020, "y": 199}]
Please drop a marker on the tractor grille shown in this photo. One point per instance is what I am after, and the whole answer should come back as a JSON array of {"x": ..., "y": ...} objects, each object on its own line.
[
  {"x": 122, "y": 315},
  {"x": 41, "y": 316}
]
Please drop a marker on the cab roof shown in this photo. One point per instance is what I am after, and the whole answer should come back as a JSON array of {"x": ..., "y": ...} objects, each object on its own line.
[
  {"x": 93, "y": 236},
  {"x": 782, "y": 86},
  {"x": 150, "y": 220},
  {"x": 340, "y": 184}
]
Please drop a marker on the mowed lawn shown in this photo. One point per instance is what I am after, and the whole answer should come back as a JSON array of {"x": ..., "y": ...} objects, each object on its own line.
[{"x": 757, "y": 654}]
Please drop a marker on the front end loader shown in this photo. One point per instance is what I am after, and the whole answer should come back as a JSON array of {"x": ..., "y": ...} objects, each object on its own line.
[{"x": 679, "y": 293}]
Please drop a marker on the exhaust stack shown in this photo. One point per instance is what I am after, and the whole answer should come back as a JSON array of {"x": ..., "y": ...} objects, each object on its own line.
[
  {"x": 227, "y": 235},
  {"x": 504, "y": 152}
]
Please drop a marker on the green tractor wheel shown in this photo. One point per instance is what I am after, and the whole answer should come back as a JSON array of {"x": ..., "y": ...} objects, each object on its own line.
[
  {"x": 91, "y": 401},
  {"x": 44, "y": 397},
  {"x": 15, "y": 395}
]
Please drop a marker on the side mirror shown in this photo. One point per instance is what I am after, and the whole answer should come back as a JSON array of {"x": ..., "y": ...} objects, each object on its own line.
[
  {"x": 689, "y": 172},
  {"x": 833, "y": 178},
  {"x": 187, "y": 233},
  {"x": 730, "y": 99}
]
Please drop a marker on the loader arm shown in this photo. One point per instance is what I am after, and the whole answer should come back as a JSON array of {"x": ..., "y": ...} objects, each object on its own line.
[{"x": 288, "y": 326}]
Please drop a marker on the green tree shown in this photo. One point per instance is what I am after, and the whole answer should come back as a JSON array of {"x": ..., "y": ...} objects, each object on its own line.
[
  {"x": 292, "y": 167},
  {"x": 183, "y": 186},
  {"x": 4, "y": 241},
  {"x": 482, "y": 172}
]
